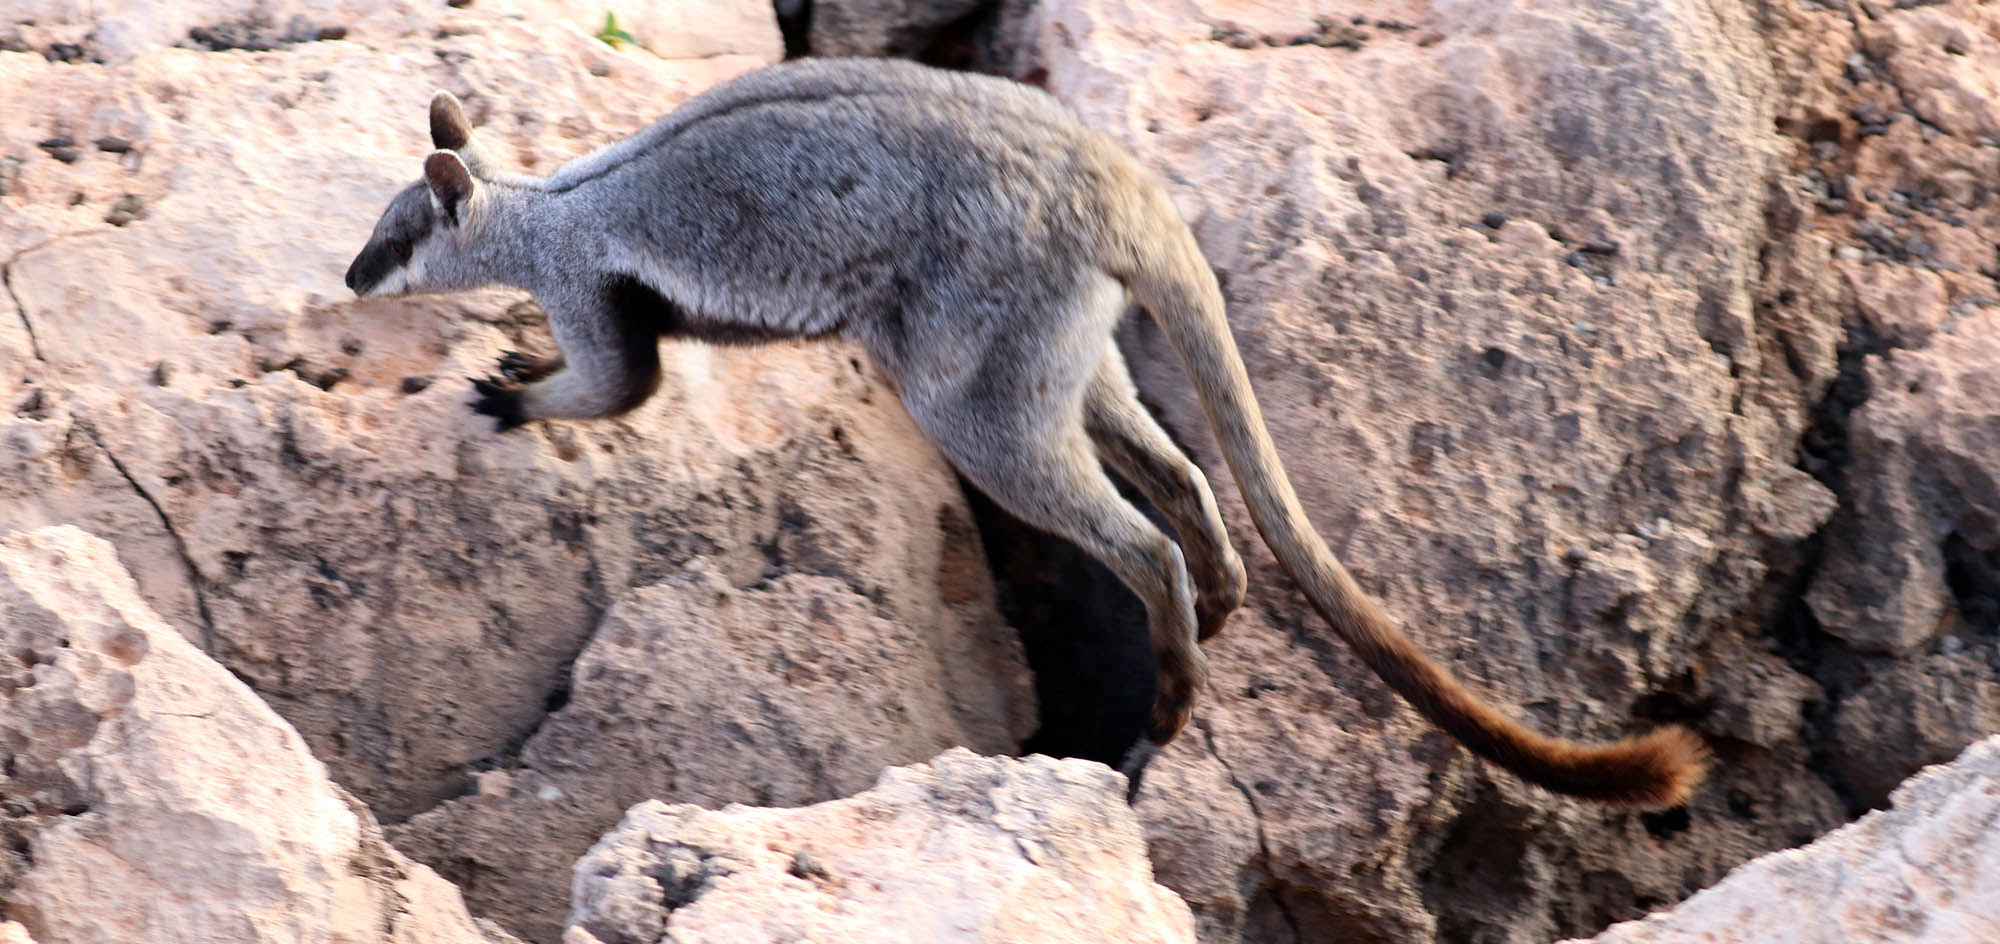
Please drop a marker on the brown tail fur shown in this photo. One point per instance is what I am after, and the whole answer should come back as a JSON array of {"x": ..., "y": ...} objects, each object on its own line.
[{"x": 1157, "y": 259}]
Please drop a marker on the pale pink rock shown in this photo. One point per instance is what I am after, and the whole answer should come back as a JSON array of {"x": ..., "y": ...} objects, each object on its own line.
[
  {"x": 959, "y": 850},
  {"x": 1926, "y": 870},
  {"x": 784, "y": 694},
  {"x": 1944, "y": 56},
  {"x": 158, "y": 799},
  {"x": 1495, "y": 270}
]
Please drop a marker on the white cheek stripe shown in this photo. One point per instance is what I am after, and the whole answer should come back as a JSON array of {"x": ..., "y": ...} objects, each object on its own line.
[{"x": 395, "y": 283}]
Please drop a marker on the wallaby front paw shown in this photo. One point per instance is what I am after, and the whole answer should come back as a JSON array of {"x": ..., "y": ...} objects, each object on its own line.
[
  {"x": 500, "y": 400},
  {"x": 527, "y": 368}
]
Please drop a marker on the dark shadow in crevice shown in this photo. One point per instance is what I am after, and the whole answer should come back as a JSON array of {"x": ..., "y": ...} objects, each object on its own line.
[
  {"x": 795, "y": 27},
  {"x": 1083, "y": 632}
]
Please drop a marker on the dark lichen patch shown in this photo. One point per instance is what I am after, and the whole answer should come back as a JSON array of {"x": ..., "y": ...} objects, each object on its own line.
[
  {"x": 257, "y": 33},
  {"x": 128, "y": 208}
]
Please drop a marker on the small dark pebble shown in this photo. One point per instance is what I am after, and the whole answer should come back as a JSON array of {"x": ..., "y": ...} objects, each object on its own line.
[
  {"x": 161, "y": 374},
  {"x": 458, "y": 4},
  {"x": 1601, "y": 247},
  {"x": 331, "y": 32},
  {"x": 59, "y": 141},
  {"x": 113, "y": 144},
  {"x": 63, "y": 52},
  {"x": 1494, "y": 220},
  {"x": 804, "y": 866},
  {"x": 416, "y": 384},
  {"x": 67, "y": 155},
  {"x": 1873, "y": 119},
  {"x": 238, "y": 382},
  {"x": 35, "y": 407},
  {"x": 128, "y": 208}
]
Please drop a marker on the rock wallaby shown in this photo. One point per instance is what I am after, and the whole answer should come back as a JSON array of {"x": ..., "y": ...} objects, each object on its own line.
[{"x": 981, "y": 244}]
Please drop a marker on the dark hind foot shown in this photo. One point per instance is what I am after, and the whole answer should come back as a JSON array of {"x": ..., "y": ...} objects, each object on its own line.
[
  {"x": 1133, "y": 766},
  {"x": 500, "y": 400},
  {"x": 1219, "y": 594},
  {"x": 527, "y": 368},
  {"x": 1173, "y": 697}
]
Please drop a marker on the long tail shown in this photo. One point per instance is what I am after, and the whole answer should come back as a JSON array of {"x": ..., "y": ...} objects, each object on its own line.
[{"x": 1152, "y": 251}]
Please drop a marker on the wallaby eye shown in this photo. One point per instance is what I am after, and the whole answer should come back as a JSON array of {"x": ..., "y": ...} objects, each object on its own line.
[{"x": 402, "y": 248}]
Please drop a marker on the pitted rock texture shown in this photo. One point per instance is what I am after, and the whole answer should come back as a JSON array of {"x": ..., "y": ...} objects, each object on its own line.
[
  {"x": 1630, "y": 351},
  {"x": 1927, "y": 869},
  {"x": 294, "y": 476},
  {"x": 296, "y": 482},
  {"x": 150, "y": 796},
  {"x": 1537, "y": 312},
  {"x": 1901, "y": 615},
  {"x": 963, "y": 849}
]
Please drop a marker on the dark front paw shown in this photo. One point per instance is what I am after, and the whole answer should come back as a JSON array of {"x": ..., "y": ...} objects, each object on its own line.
[
  {"x": 527, "y": 368},
  {"x": 499, "y": 400}
]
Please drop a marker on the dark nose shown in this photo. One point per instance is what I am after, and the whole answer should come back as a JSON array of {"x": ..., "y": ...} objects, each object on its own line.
[{"x": 350, "y": 276}]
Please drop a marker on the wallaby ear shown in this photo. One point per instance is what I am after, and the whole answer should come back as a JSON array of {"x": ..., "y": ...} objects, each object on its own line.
[
  {"x": 449, "y": 129},
  {"x": 450, "y": 181}
]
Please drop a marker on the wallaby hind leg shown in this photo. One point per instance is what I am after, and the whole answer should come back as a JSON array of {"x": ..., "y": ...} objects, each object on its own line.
[
  {"x": 1133, "y": 443},
  {"x": 1047, "y": 474}
]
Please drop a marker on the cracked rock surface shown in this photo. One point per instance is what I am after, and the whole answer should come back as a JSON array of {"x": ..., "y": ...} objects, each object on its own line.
[
  {"x": 1553, "y": 309},
  {"x": 295, "y": 482},
  {"x": 961, "y": 849},
  {"x": 150, "y": 796},
  {"x": 1638, "y": 355},
  {"x": 711, "y": 694}
]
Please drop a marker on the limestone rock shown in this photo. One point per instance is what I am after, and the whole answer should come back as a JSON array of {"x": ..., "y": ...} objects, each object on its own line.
[
  {"x": 1927, "y": 870},
  {"x": 962, "y": 849},
  {"x": 293, "y": 476},
  {"x": 1932, "y": 53},
  {"x": 150, "y": 796},
  {"x": 1913, "y": 714},
  {"x": 295, "y": 481},
  {"x": 1926, "y": 460},
  {"x": 786, "y": 694}
]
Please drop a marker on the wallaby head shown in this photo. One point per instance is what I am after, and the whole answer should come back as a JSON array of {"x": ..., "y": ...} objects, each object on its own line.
[{"x": 434, "y": 235}]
